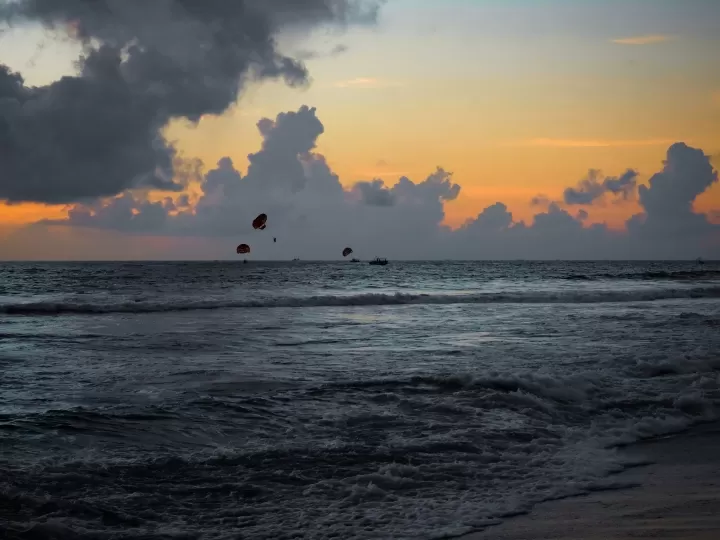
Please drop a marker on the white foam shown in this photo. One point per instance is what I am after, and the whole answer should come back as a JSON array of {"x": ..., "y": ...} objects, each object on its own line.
[{"x": 366, "y": 299}]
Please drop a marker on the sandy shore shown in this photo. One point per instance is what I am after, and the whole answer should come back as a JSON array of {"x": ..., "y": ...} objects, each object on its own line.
[{"x": 679, "y": 497}]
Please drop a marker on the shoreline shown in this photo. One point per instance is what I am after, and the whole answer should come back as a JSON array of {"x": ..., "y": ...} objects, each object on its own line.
[{"x": 676, "y": 495}]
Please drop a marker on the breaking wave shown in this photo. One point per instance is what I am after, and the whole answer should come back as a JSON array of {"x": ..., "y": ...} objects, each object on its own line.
[
  {"x": 367, "y": 299},
  {"x": 432, "y": 455},
  {"x": 680, "y": 275}
]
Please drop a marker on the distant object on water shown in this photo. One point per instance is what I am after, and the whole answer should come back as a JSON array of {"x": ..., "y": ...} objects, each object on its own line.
[
  {"x": 700, "y": 261},
  {"x": 295, "y": 259},
  {"x": 379, "y": 262},
  {"x": 354, "y": 260}
]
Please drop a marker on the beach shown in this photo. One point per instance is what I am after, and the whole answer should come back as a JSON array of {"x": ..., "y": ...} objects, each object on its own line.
[{"x": 677, "y": 496}]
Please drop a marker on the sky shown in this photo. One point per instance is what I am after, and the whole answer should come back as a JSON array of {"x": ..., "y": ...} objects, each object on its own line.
[{"x": 418, "y": 129}]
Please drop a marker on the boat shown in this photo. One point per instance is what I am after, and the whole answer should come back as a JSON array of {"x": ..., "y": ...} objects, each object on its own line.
[
  {"x": 295, "y": 259},
  {"x": 379, "y": 262},
  {"x": 354, "y": 260}
]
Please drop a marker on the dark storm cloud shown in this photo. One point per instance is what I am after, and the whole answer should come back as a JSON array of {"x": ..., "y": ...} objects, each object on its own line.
[
  {"x": 144, "y": 63},
  {"x": 313, "y": 216},
  {"x": 592, "y": 188},
  {"x": 79, "y": 137}
]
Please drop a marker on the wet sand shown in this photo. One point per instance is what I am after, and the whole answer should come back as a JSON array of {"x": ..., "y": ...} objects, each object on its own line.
[{"x": 678, "y": 497}]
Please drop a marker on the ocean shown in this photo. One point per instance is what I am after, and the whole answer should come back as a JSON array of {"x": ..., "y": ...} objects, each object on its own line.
[{"x": 418, "y": 400}]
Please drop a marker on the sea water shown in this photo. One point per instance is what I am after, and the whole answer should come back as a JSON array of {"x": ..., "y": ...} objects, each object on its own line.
[{"x": 336, "y": 400}]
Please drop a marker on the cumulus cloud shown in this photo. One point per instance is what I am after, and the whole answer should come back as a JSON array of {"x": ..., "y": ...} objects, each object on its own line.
[
  {"x": 98, "y": 133},
  {"x": 308, "y": 207},
  {"x": 314, "y": 216},
  {"x": 375, "y": 193},
  {"x": 667, "y": 201},
  {"x": 591, "y": 188},
  {"x": 687, "y": 173},
  {"x": 135, "y": 215},
  {"x": 494, "y": 218}
]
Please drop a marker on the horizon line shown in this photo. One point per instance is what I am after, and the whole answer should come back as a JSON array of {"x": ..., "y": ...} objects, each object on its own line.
[{"x": 234, "y": 261}]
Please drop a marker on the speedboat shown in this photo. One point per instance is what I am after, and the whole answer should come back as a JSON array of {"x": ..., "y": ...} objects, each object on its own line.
[
  {"x": 379, "y": 262},
  {"x": 354, "y": 260}
]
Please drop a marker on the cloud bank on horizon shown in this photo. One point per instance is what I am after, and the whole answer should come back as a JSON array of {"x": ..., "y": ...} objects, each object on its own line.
[{"x": 315, "y": 217}]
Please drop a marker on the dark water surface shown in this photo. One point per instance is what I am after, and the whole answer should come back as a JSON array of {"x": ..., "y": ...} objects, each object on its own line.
[{"x": 319, "y": 400}]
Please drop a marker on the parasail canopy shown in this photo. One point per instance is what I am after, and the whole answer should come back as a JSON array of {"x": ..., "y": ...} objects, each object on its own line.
[
  {"x": 347, "y": 251},
  {"x": 259, "y": 222},
  {"x": 243, "y": 248}
]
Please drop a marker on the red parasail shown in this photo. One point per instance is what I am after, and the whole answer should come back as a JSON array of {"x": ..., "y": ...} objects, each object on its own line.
[
  {"x": 259, "y": 222},
  {"x": 243, "y": 248},
  {"x": 347, "y": 251}
]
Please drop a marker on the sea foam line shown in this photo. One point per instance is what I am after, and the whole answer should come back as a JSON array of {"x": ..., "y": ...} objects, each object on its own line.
[{"x": 366, "y": 299}]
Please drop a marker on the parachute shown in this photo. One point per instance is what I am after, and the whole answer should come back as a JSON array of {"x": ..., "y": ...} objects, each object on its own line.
[
  {"x": 259, "y": 222},
  {"x": 347, "y": 251}
]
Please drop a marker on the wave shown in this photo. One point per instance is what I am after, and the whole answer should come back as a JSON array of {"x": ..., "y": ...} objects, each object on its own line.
[
  {"x": 679, "y": 275},
  {"x": 367, "y": 299}
]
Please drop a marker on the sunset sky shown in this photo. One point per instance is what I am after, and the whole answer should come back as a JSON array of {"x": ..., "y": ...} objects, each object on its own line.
[{"x": 517, "y": 99}]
